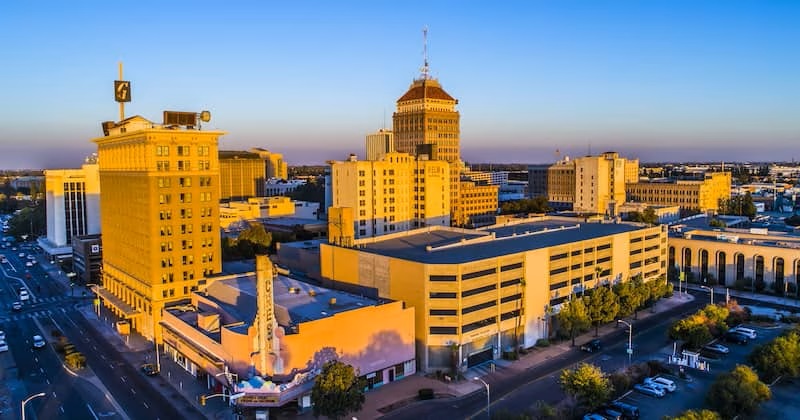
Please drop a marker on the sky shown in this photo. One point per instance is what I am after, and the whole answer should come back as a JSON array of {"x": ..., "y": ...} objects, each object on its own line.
[{"x": 656, "y": 80}]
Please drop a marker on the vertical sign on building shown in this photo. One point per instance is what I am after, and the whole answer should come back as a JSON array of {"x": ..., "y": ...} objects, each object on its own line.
[{"x": 122, "y": 93}]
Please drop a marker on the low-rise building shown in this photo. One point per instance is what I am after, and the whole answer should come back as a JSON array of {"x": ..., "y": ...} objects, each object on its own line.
[
  {"x": 265, "y": 336},
  {"x": 697, "y": 194}
]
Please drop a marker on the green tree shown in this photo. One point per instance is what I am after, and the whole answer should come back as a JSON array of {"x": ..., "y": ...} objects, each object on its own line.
[
  {"x": 253, "y": 240},
  {"x": 696, "y": 415},
  {"x": 337, "y": 391},
  {"x": 779, "y": 357},
  {"x": 693, "y": 330},
  {"x": 532, "y": 205},
  {"x": 642, "y": 291},
  {"x": 573, "y": 317},
  {"x": 717, "y": 223},
  {"x": 602, "y": 306},
  {"x": 587, "y": 384},
  {"x": 628, "y": 299},
  {"x": 738, "y": 392}
]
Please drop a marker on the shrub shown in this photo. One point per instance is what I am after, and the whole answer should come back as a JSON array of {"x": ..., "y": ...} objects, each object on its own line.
[
  {"x": 621, "y": 383},
  {"x": 542, "y": 342},
  {"x": 425, "y": 394}
]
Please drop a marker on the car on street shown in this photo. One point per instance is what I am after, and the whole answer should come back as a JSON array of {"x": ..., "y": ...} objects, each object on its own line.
[
  {"x": 649, "y": 390},
  {"x": 28, "y": 264},
  {"x": 3, "y": 346},
  {"x": 664, "y": 383},
  {"x": 16, "y": 306},
  {"x": 38, "y": 342},
  {"x": 592, "y": 346},
  {"x": 2, "y": 335},
  {"x": 735, "y": 337},
  {"x": 716, "y": 348},
  {"x": 149, "y": 369},
  {"x": 23, "y": 295},
  {"x": 747, "y": 332}
]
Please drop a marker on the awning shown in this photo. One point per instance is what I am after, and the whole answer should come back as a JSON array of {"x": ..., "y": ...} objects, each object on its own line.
[{"x": 127, "y": 310}]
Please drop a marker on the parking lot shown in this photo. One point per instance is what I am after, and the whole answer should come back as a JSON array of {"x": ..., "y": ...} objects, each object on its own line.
[{"x": 691, "y": 392}]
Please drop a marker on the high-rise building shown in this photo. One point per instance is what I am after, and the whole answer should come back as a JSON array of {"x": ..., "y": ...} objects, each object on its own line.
[
  {"x": 397, "y": 193},
  {"x": 275, "y": 166},
  {"x": 379, "y": 144},
  {"x": 242, "y": 175},
  {"x": 159, "y": 216},
  {"x": 73, "y": 207}
]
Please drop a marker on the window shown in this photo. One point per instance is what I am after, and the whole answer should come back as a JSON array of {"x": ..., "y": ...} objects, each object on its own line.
[
  {"x": 507, "y": 299},
  {"x": 478, "y": 307},
  {"x": 558, "y": 271},
  {"x": 479, "y": 290},
  {"x": 163, "y": 182},
  {"x": 511, "y": 267},
  {"x": 443, "y": 330},
  {"x": 558, "y": 257},
  {"x": 476, "y": 274},
  {"x": 163, "y": 198},
  {"x": 510, "y": 282},
  {"x": 442, "y": 295},
  {"x": 604, "y": 246},
  {"x": 183, "y": 150},
  {"x": 162, "y": 150},
  {"x": 185, "y": 182},
  {"x": 443, "y": 312},
  {"x": 558, "y": 285},
  {"x": 479, "y": 324},
  {"x": 442, "y": 278}
]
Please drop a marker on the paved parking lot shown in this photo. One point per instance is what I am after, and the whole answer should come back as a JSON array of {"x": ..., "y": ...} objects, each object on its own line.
[{"x": 691, "y": 394}]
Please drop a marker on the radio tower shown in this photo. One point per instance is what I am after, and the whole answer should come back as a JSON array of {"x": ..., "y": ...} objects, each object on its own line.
[{"x": 424, "y": 70}]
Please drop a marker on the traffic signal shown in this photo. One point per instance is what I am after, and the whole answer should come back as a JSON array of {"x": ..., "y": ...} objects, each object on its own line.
[{"x": 203, "y": 400}]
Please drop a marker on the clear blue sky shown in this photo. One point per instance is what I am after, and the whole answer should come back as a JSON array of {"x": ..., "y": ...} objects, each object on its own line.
[{"x": 657, "y": 80}]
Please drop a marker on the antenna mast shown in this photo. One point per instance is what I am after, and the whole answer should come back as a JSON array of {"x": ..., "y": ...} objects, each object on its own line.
[{"x": 425, "y": 70}]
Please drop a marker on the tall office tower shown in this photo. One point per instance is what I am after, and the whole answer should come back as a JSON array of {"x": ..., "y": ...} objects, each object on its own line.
[
  {"x": 159, "y": 216},
  {"x": 397, "y": 193},
  {"x": 73, "y": 206},
  {"x": 275, "y": 166},
  {"x": 379, "y": 144},
  {"x": 242, "y": 175},
  {"x": 600, "y": 183}
]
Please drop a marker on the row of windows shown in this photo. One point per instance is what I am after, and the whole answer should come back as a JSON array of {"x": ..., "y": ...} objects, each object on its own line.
[{"x": 163, "y": 150}]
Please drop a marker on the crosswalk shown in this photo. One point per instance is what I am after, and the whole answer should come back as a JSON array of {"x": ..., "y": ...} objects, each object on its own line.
[
  {"x": 44, "y": 313},
  {"x": 35, "y": 301}
]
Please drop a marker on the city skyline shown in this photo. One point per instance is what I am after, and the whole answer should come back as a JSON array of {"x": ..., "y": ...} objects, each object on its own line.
[{"x": 648, "y": 80}]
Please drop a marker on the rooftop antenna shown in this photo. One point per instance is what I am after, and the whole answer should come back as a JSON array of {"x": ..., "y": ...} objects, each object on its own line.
[{"x": 424, "y": 70}]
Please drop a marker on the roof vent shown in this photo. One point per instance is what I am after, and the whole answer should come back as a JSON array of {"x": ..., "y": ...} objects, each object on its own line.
[
  {"x": 332, "y": 302},
  {"x": 312, "y": 292}
]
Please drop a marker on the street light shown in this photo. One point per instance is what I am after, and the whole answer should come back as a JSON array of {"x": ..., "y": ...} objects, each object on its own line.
[
  {"x": 488, "y": 400},
  {"x": 71, "y": 276},
  {"x": 25, "y": 401},
  {"x": 630, "y": 338},
  {"x": 710, "y": 291}
]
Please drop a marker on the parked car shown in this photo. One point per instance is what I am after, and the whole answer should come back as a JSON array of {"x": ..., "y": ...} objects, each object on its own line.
[
  {"x": 735, "y": 337},
  {"x": 649, "y": 390},
  {"x": 38, "y": 342},
  {"x": 610, "y": 414},
  {"x": 149, "y": 369},
  {"x": 3, "y": 346},
  {"x": 23, "y": 295},
  {"x": 16, "y": 306},
  {"x": 593, "y": 416},
  {"x": 747, "y": 332},
  {"x": 592, "y": 346},
  {"x": 2, "y": 335},
  {"x": 716, "y": 348},
  {"x": 664, "y": 383},
  {"x": 629, "y": 412}
]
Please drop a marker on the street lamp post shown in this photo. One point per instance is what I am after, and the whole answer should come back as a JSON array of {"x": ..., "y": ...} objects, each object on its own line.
[
  {"x": 71, "y": 276},
  {"x": 488, "y": 399},
  {"x": 25, "y": 401},
  {"x": 710, "y": 292},
  {"x": 630, "y": 339}
]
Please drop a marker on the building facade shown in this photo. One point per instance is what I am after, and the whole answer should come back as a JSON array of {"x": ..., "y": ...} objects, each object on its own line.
[
  {"x": 72, "y": 207},
  {"x": 274, "y": 165},
  {"x": 397, "y": 193},
  {"x": 279, "y": 332},
  {"x": 87, "y": 259},
  {"x": 478, "y": 204},
  {"x": 691, "y": 194},
  {"x": 242, "y": 175},
  {"x": 481, "y": 292},
  {"x": 159, "y": 216},
  {"x": 380, "y": 143}
]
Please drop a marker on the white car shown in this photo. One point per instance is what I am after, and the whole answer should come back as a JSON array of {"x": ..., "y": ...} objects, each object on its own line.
[
  {"x": 664, "y": 383},
  {"x": 28, "y": 264},
  {"x": 747, "y": 332},
  {"x": 649, "y": 390},
  {"x": 3, "y": 346},
  {"x": 22, "y": 255},
  {"x": 38, "y": 342},
  {"x": 2, "y": 335},
  {"x": 23, "y": 295}
]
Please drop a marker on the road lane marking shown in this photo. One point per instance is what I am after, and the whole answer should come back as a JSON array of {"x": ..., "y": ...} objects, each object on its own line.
[
  {"x": 145, "y": 404},
  {"x": 41, "y": 369},
  {"x": 92, "y": 411},
  {"x": 123, "y": 379},
  {"x": 54, "y": 394},
  {"x": 48, "y": 381},
  {"x": 133, "y": 392},
  {"x": 61, "y": 407}
]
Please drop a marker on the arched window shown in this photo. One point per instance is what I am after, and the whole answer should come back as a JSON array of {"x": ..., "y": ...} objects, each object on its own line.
[
  {"x": 780, "y": 284},
  {"x": 703, "y": 264},
  {"x": 721, "y": 266},
  {"x": 759, "y": 273},
  {"x": 740, "y": 268},
  {"x": 672, "y": 257},
  {"x": 687, "y": 260}
]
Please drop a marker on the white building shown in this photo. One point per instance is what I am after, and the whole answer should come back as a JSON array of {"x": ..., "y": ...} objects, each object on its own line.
[{"x": 73, "y": 207}]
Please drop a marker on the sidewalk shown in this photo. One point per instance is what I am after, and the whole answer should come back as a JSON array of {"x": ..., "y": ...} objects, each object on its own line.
[
  {"x": 403, "y": 392},
  {"x": 791, "y": 302}
]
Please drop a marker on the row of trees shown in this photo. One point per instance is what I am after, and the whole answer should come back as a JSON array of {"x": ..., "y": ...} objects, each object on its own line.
[
  {"x": 647, "y": 216},
  {"x": 740, "y": 205},
  {"x": 605, "y": 304},
  {"x": 533, "y": 205},
  {"x": 707, "y": 323}
]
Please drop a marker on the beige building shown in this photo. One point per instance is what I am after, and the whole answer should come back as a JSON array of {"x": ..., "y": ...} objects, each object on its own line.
[
  {"x": 380, "y": 143},
  {"x": 275, "y": 166},
  {"x": 266, "y": 336},
  {"x": 159, "y": 216},
  {"x": 737, "y": 257},
  {"x": 474, "y": 291},
  {"x": 478, "y": 204},
  {"x": 691, "y": 194},
  {"x": 72, "y": 207},
  {"x": 254, "y": 208},
  {"x": 242, "y": 175},
  {"x": 397, "y": 193}
]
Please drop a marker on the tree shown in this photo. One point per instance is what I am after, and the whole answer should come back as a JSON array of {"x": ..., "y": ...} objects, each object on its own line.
[
  {"x": 337, "y": 391},
  {"x": 587, "y": 384},
  {"x": 573, "y": 317},
  {"x": 629, "y": 300},
  {"x": 738, "y": 392},
  {"x": 253, "y": 240},
  {"x": 602, "y": 306},
  {"x": 697, "y": 415},
  {"x": 641, "y": 290},
  {"x": 779, "y": 357}
]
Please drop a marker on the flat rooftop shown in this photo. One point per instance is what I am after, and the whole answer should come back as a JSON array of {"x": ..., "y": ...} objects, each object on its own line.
[{"x": 456, "y": 246}]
